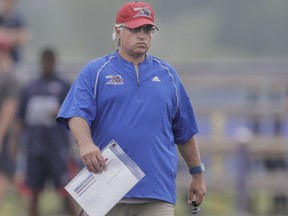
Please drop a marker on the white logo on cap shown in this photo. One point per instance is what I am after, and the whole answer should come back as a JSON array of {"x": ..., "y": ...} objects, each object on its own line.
[{"x": 143, "y": 12}]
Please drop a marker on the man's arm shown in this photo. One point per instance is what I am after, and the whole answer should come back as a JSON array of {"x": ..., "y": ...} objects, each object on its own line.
[
  {"x": 89, "y": 152},
  {"x": 286, "y": 101},
  {"x": 7, "y": 114},
  {"x": 190, "y": 153}
]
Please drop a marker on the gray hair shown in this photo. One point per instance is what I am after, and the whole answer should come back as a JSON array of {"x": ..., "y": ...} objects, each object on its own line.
[{"x": 114, "y": 34}]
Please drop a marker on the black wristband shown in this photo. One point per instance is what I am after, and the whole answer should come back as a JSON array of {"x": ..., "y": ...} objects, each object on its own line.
[{"x": 197, "y": 170}]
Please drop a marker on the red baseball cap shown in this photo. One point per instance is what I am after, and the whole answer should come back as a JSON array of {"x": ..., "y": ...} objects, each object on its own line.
[{"x": 135, "y": 14}]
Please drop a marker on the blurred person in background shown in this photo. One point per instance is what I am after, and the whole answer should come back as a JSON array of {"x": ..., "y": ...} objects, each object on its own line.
[
  {"x": 286, "y": 101},
  {"x": 47, "y": 145},
  {"x": 9, "y": 90},
  {"x": 139, "y": 101},
  {"x": 13, "y": 32}
]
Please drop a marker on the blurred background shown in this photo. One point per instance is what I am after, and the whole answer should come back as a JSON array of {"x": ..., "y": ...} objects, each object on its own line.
[{"x": 232, "y": 57}]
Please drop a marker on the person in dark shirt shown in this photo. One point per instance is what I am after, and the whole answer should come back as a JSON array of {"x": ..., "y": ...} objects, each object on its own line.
[{"x": 47, "y": 145}]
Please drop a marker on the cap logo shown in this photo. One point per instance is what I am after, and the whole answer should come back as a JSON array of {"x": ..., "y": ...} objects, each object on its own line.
[{"x": 142, "y": 12}]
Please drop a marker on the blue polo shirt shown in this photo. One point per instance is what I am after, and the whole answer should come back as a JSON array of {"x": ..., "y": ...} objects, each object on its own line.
[{"x": 146, "y": 116}]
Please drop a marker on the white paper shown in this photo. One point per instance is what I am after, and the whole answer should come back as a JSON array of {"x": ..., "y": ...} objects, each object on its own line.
[{"x": 97, "y": 194}]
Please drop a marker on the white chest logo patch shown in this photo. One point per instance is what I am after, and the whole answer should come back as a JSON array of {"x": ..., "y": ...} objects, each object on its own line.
[
  {"x": 156, "y": 79},
  {"x": 114, "y": 80}
]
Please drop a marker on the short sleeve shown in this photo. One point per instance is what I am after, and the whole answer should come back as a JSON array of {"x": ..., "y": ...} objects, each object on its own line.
[
  {"x": 80, "y": 101},
  {"x": 184, "y": 124}
]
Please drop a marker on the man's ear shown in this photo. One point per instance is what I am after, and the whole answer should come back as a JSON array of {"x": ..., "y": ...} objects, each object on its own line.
[{"x": 118, "y": 33}]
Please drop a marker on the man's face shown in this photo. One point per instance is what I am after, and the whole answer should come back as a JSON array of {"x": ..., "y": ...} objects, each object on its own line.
[
  {"x": 136, "y": 42},
  {"x": 48, "y": 65}
]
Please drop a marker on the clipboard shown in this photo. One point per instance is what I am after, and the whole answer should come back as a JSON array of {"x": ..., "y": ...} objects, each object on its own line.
[{"x": 97, "y": 194}]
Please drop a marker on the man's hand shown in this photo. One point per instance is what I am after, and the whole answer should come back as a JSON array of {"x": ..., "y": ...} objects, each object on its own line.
[
  {"x": 89, "y": 151},
  {"x": 92, "y": 158},
  {"x": 197, "y": 189}
]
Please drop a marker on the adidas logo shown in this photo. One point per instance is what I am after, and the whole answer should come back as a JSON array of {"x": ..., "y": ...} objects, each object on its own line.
[{"x": 156, "y": 79}]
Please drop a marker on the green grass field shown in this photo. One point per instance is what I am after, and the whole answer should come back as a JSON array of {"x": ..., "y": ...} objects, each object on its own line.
[
  {"x": 14, "y": 205},
  {"x": 51, "y": 205},
  {"x": 214, "y": 204}
]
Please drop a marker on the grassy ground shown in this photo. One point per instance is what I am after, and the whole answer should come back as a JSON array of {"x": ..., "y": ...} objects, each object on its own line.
[
  {"x": 14, "y": 205},
  {"x": 51, "y": 205},
  {"x": 214, "y": 204}
]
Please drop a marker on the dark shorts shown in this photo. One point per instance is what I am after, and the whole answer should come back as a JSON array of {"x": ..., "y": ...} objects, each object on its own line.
[
  {"x": 43, "y": 168},
  {"x": 7, "y": 163}
]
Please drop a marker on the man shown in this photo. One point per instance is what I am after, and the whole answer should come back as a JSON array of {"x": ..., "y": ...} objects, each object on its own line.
[
  {"x": 9, "y": 90},
  {"x": 139, "y": 101},
  {"x": 46, "y": 144},
  {"x": 286, "y": 101}
]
